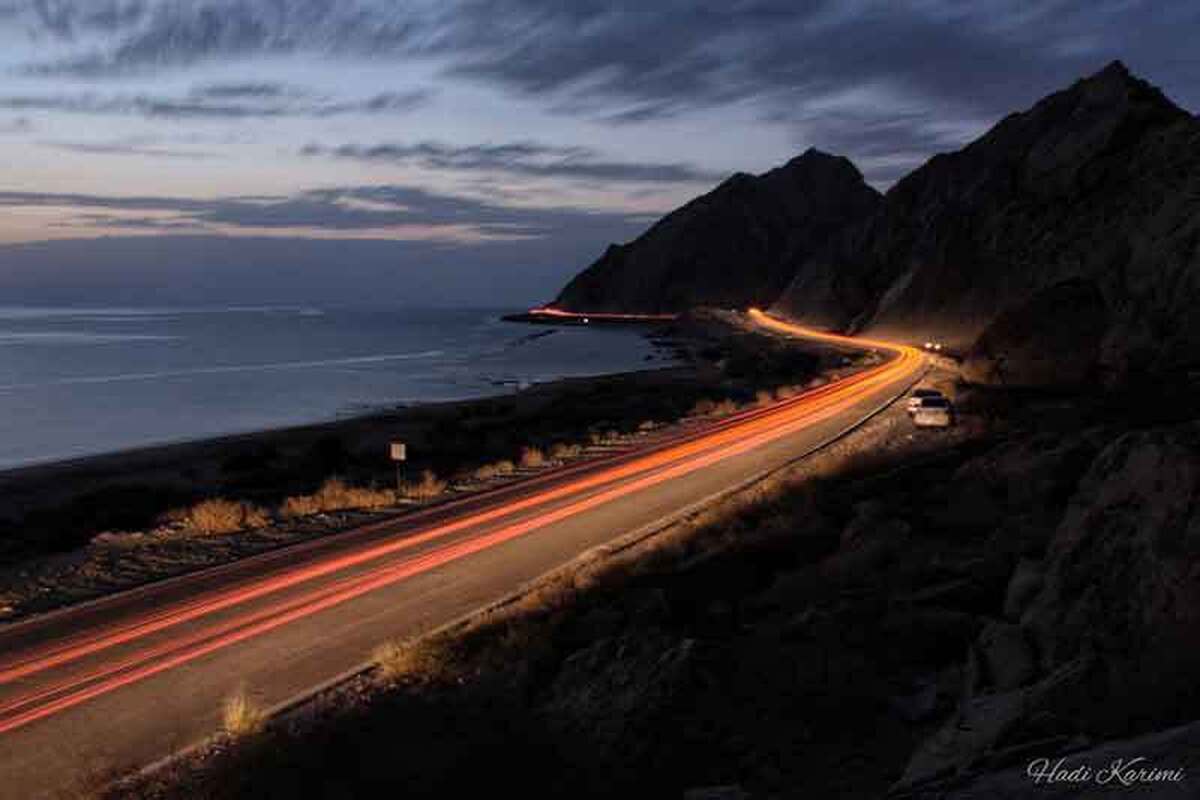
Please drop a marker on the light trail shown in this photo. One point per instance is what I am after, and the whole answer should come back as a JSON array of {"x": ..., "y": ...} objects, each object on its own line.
[
  {"x": 737, "y": 434},
  {"x": 603, "y": 316},
  {"x": 91, "y": 643}
]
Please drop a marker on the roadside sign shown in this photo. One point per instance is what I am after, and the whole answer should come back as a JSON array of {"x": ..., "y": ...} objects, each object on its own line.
[{"x": 399, "y": 451}]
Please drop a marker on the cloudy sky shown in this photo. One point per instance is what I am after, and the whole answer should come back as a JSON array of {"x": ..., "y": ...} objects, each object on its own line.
[{"x": 476, "y": 151}]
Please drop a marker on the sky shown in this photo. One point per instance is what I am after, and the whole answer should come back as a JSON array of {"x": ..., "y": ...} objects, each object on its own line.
[{"x": 476, "y": 152}]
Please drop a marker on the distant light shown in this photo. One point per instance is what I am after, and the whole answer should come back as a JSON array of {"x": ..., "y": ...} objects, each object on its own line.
[
  {"x": 585, "y": 320},
  {"x": 929, "y": 345}
]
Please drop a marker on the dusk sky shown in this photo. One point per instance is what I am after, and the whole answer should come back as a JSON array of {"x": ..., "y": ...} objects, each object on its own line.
[{"x": 475, "y": 152}]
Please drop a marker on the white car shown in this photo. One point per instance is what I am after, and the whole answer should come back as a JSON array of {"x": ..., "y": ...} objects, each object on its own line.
[
  {"x": 934, "y": 412},
  {"x": 914, "y": 400}
]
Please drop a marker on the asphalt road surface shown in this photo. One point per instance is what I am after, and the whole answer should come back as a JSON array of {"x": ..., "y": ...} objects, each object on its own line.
[{"x": 121, "y": 682}]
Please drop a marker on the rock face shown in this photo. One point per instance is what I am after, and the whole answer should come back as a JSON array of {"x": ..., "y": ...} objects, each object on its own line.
[
  {"x": 1122, "y": 581},
  {"x": 732, "y": 247},
  {"x": 1075, "y": 224},
  {"x": 1104, "y": 646}
]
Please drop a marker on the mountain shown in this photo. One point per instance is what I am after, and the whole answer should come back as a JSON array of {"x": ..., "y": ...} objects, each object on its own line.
[
  {"x": 732, "y": 247},
  {"x": 1061, "y": 246}
]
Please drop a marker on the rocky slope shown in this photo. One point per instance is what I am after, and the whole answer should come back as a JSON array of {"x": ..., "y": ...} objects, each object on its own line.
[
  {"x": 1086, "y": 204},
  {"x": 731, "y": 247}
]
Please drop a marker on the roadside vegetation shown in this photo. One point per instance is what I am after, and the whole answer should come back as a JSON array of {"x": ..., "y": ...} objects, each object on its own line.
[
  {"x": 218, "y": 516},
  {"x": 240, "y": 716},
  {"x": 848, "y": 612},
  {"x": 270, "y": 489}
]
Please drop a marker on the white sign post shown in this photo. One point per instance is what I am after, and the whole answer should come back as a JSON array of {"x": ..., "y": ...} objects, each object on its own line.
[{"x": 399, "y": 454}]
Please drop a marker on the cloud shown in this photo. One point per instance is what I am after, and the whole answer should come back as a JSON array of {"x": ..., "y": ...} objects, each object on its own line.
[
  {"x": 217, "y": 106},
  {"x": 133, "y": 147},
  {"x": 118, "y": 37},
  {"x": 406, "y": 211},
  {"x": 16, "y": 125},
  {"x": 527, "y": 159},
  {"x": 629, "y": 62},
  {"x": 940, "y": 71},
  {"x": 240, "y": 91}
]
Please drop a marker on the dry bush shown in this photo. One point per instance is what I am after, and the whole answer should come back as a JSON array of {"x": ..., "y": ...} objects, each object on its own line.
[
  {"x": 336, "y": 495},
  {"x": 784, "y": 392},
  {"x": 495, "y": 470},
  {"x": 224, "y": 516},
  {"x": 423, "y": 659},
  {"x": 703, "y": 408},
  {"x": 725, "y": 407},
  {"x": 241, "y": 716},
  {"x": 647, "y": 425},
  {"x": 763, "y": 397},
  {"x": 532, "y": 457},
  {"x": 303, "y": 505},
  {"x": 428, "y": 487},
  {"x": 485, "y": 472},
  {"x": 563, "y": 451},
  {"x": 599, "y": 438}
]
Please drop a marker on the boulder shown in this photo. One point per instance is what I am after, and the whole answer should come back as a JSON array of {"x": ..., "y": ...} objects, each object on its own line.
[
  {"x": 1006, "y": 658},
  {"x": 1023, "y": 587}
]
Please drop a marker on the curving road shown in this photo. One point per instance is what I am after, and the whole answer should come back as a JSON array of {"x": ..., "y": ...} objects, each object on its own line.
[{"x": 129, "y": 679}]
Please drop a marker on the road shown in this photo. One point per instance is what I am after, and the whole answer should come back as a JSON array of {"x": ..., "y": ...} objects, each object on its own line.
[{"x": 129, "y": 679}]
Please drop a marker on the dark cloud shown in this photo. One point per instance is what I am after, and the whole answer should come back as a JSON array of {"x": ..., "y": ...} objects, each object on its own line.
[
  {"x": 345, "y": 209},
  {"x": 529, "y": 159},
  {"x": 210, "y": 106},
  {"x": 142, "y": 148},
  {"x": 16, "y": 125},
  {"x": 151, "y": 34},
  {"x": 239, "y": 91},
  {"x": 886, "y": 82}
]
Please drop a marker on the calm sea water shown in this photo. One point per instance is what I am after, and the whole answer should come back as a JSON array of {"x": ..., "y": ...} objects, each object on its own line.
[{"x": 80, "y": 381}]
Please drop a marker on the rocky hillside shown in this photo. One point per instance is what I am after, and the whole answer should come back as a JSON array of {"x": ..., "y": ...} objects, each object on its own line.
[
  {"x": 1086, "y": 205},
  {"x": 731, "y": 247}
]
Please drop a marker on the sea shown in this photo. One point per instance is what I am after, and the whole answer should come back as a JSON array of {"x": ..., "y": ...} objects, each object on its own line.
[{"x": 82, "y": 381}]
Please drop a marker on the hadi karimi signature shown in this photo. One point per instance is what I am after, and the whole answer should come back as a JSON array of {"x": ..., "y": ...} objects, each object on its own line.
[{"x": 1118, "y": 772}]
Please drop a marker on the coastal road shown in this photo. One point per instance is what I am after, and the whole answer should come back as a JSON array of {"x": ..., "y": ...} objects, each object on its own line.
[{"x": 121, "y": 682}]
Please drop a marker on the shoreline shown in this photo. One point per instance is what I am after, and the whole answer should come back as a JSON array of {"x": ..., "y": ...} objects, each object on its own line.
[
  {"x": 99, "y": 524},
  {"x": 89, "y": 526},
  {"x": 657, "y": 350},
  {"x": 503, "y": 391}
]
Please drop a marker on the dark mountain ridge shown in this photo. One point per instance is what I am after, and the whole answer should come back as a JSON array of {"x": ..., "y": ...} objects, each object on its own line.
[
  {"x": 1061, "y": 246},
  {"x": 1088, "y": 203},
  {"x": 731, "y": 247}
]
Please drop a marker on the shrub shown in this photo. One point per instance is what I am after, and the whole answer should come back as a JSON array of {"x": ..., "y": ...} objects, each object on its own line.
[
  {"x": 563, "y": 451},
  {"x": 485, "y": 472},
  {"x": 725, "y": 407},
  {"x": 304, "y": 505},
  {"x": 429, "y": 486},
  {"x": 604, "y": 437},
  {"x": 784, "y": 392},
  {"x": 414, "y": 659},
  {"x": 764, "y": 397},
  {"x": 489, "y": 471},
  {"x": 224, "y": 516},
  {"x": 532, "y": 457},
  {"x": 703, "y": 408},
  {"x": 240, "y": 716},
  {"x": 336, "y": 495}
]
